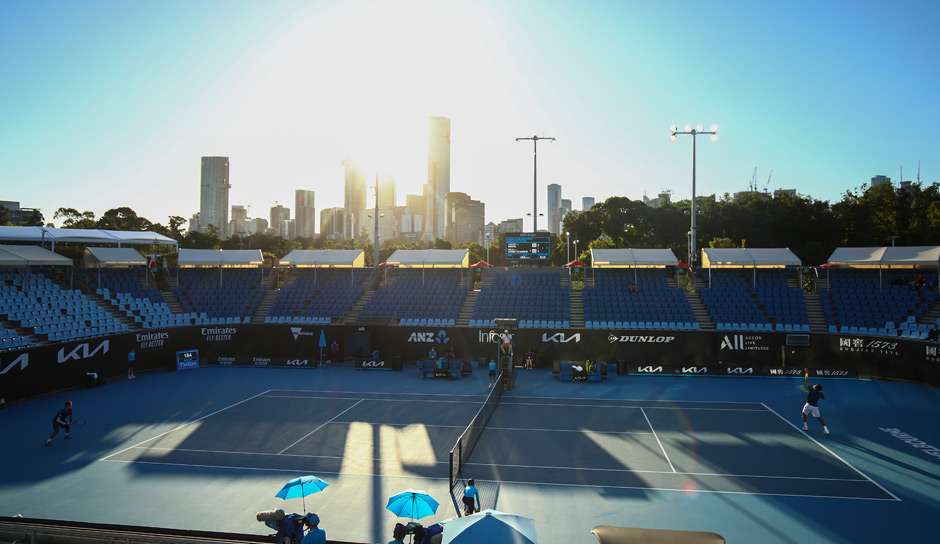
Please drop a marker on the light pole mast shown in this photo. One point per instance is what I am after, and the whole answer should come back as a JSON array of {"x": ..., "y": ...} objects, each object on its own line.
[
  {"x": 535, "y": 177},
  {"x": 693, "y": 132},
  {"x": 375, "y": 236}
]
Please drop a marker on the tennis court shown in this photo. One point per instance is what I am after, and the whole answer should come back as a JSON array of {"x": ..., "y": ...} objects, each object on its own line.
[{"x": 683, "y": 446}]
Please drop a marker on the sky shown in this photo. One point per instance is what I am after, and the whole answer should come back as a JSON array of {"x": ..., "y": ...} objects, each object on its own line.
[{"x": 112, "y": 103}]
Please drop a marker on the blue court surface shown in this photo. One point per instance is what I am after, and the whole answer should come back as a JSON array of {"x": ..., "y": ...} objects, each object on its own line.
[{"x": 205, "y": 449}]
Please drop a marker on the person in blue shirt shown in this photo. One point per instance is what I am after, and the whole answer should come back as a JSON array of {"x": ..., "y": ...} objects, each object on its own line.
[
  {"x": 471, "y": 498},
  {"x": 398, "y": 534},
  {"x": 492, "y": 367},
  {"x": 131, "y": 359},
  {"x": 315, "y": 535}
]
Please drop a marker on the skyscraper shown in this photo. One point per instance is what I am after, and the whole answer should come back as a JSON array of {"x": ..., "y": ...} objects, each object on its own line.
[
  {"x": 438, "y": 175},
  {"x": 554, "y": 208},
  {"x": 238, "y": 226},
  {"x": 331, "y": 223},
  {"x": 280, "y": 215},
  {"x": 305, "y": 214},
  {"x": 386, "y": 192},
  {"x": 565, "y": 210},
  {"x": 587, "y": 203},
  {"x": 213, "y": 195},
  {"x": 354, "y": 198},
  {"x": 465, "y": 218}
]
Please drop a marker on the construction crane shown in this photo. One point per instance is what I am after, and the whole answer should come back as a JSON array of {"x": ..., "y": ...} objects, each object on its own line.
[
  {"x": 753, "y": 186},
  {"x": 769, "y": 176}
]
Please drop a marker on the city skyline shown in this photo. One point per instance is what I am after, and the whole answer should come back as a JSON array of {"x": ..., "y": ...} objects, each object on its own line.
[{"x": 101, "y": 118}]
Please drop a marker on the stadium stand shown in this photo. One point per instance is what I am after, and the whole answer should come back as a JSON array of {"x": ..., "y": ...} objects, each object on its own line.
[
  {"x": 737, "y": 302},
  {"x": 10, "y": 339},
  {"x": 124, "y": 289},
  {"x": 419, "y": 297},
  {"x": 318, "y": 296},
  {"x": 536, "y": 297},
  {"x": 859, "y": 302},
  {"x": 610, "y": 304},
  {"x": 229, "y": 300},
  {"x": 39, "y": 303}
]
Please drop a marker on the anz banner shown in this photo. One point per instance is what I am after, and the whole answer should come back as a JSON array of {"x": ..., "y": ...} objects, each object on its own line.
[{"x": 44, "y": 368}]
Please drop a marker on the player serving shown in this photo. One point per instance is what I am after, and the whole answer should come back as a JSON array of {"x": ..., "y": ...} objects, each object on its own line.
[
  {"x": 62, "y": 420},
  {"x": 811, "y": 408}
]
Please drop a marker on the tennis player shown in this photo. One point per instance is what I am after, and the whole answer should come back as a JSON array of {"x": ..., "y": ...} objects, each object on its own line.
[
  {"x": 62, "y": 420},
  {"x": 811, "y": 408}
]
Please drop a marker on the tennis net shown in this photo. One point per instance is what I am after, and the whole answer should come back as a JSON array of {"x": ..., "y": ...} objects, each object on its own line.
[{"x": 471, "y": 435}]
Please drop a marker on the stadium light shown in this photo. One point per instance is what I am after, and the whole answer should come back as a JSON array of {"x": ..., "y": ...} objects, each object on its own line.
[
  {"x": 693, "y": 132},
  {"x": 535, "y": 177}
]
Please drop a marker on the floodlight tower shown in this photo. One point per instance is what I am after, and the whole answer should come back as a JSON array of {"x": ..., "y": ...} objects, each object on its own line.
[
  {"x": 693, "y": 132},
  {"x": 535, "y": 177}
]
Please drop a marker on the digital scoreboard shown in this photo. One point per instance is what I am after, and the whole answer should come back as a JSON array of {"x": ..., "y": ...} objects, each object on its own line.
[
  {"x": 528, "y": 247},
  {"x": 187, "y": 359}
]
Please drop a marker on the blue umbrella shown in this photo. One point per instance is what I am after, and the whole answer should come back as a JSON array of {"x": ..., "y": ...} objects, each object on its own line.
[
  {"x": 299, "y": 488},
  {"x": 490, "y": 526},
  {"x": 412, "y": 504}
]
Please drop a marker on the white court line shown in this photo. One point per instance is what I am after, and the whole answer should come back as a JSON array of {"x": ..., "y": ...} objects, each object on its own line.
[
  {"x": 656, "y": 436},
  {"x": 178, "y": 427},
  {"x": 412, "y": 477},
  {"x": 548, "y": 467},
  {"x": 606, "y": 399},
  {"x": 491, "y": 428},
  {"x": 834, "y": 454},
  {"x": 504, "y": 403},
  {"x": 389, "y": 399},
  {"x": 320, "y": 426},
  {"x": 482, "y": 396}
]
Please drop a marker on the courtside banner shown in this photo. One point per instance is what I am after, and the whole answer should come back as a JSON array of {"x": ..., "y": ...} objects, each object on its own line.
[{"x": 41, "y": 369}]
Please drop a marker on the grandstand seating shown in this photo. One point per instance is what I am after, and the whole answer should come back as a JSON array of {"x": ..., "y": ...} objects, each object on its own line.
[
  {"x": 37, "y": 302},
  {"x": 233, "y": 301},
  {"x": 10, "y": 339},
  {"x": 655, "y": 305},
  {"x": 857, "y": 302},
  {"x": 535, "y": 297},
  {"x": 124, "y": 289},
  {"x": 415, "y": 297},
  {"x": 772, "y": 305},
  {"x": 318, "y": 296}
]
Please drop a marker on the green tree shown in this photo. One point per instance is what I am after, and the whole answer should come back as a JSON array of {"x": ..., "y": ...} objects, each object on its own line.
[{"x": 74, "y": 219}]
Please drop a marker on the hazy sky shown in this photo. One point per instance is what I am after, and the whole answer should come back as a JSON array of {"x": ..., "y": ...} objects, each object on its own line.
[{"x": 113, "y": 103}]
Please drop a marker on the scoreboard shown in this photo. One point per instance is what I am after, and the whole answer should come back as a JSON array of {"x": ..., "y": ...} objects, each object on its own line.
[{"x": 528, "y": 247}]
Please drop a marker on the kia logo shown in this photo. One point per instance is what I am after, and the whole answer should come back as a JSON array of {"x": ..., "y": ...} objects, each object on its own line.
[
  {"x": 694, "y": 370},
  {"x": 740, "y": 370},
  {"x": 561, "y": 338},
  {"x": 373, "y": 364},
  {"x": 649, "y": 369},
  {"x": 82, "y": 351},
  {"x": 22, "y": 361},
  {"x": 296, "y": 362}
]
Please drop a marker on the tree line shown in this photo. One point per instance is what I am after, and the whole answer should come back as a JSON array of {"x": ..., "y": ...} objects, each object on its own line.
[{"x": 811, "y": 228}]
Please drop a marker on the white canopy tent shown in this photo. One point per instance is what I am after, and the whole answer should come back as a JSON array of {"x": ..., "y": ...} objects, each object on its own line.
[
  {"x": 633, "y": 258},
  {"x": 117, "y": 257},
  {"x": 83, "y": 236},
  {"x": 20, "y": 256},
  {"x": 220, "y": 258},
  {"x": 748, "y": 257},
  {"x": 114, "y": 257},
  {"x": 324, "y": 258},
  {"x": 903, "y": 257},
  {"x": 430, "y": 258}
]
